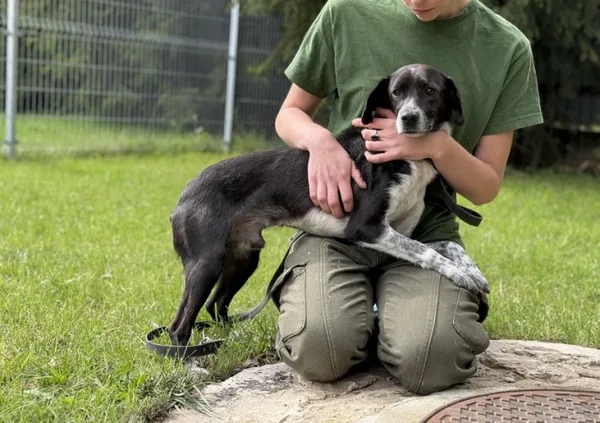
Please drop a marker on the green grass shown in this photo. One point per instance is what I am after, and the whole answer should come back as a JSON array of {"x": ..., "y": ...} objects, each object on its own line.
[
  {"x": 538, "y": 246},
  {"x": 47, "y": 135},
  {"x": 87, "y": 268}
]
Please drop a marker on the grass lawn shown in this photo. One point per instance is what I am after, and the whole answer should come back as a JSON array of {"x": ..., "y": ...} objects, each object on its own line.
[
  {"x": 87, "y": 268},
  {"x": 46, "y": 135}
]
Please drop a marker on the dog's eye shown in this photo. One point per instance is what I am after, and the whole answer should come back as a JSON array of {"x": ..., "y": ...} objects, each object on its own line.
[
  {"x": 397, "y": 92},
  {"x": 430, "y": 91}
]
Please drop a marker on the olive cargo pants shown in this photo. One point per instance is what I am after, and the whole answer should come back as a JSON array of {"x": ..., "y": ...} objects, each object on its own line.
[{"x": 428, "y": 329}]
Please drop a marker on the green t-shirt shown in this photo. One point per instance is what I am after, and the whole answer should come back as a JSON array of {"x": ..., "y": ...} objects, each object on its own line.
[{"x": 352, "y": 44}]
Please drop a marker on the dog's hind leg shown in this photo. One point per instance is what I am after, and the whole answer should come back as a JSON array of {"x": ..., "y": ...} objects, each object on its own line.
[
  {"x": 201, "y": 276},
  {"x": 239, "y": 266},
  {"x": 181, "y": 248},
  {"x": 202, "y": 261},
  {"x": 181, "y": 309}
]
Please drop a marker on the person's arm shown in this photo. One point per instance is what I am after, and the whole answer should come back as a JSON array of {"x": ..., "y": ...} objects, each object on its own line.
[
  {"x": 330, "y": 168},
  {"x": 476, "y": 177},
  {"x": 313, "y": 77},
  {"x": 294, "y": 123}
]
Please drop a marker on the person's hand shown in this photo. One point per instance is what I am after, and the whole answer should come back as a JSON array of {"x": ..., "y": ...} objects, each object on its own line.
[
  {"x": 394, "y": 146},
  {"x": 330, "y": 172}
]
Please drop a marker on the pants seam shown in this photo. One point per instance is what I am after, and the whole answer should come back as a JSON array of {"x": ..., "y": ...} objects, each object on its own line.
[
  {"x": 435, "y": 290},
  {"x": 326, "y": 320},
  {"x": 456, "y": 305}
]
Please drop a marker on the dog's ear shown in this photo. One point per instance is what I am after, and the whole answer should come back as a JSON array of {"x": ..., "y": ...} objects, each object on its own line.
[
  {"x": 455, "y": 103},
  {"x": 379, "y": 97}
]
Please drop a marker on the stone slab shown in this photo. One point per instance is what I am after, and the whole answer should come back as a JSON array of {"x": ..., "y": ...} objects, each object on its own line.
[{"x": 275, "y": 393}]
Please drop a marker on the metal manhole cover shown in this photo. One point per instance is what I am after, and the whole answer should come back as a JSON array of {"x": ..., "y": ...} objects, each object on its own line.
[{"x": 535, "y": 406}]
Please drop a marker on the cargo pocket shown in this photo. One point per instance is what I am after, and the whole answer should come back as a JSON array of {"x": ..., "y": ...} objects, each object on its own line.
[
  {"x": 466, "y": 324},
  {"x": 291, "y": 287}
]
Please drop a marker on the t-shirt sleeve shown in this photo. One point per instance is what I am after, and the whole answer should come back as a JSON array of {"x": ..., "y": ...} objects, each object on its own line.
[
  {"x": 313, "y": 66},
  {"x": 518, "y": 104}
]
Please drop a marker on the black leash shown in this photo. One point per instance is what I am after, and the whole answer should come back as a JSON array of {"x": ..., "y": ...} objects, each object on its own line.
[
  {"x": 210, "y": 347},
  {"x": 465, "y": 214},
  {"x": 184, "y": 351}
]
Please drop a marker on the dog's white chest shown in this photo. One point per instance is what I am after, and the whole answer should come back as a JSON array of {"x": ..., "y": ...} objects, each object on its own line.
[{"x": 406, "y": 197}]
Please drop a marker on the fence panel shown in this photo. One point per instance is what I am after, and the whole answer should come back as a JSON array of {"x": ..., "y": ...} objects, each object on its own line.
[
  {"x": 91, "y": 66},
  {"x": 258, "y": 98}
]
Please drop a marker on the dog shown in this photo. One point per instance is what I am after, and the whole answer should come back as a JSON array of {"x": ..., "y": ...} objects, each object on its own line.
[{"x": 219, "y": 217}]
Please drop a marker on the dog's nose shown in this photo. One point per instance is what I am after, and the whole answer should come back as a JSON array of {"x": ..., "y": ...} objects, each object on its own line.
[{"x": 410, "y": 118}]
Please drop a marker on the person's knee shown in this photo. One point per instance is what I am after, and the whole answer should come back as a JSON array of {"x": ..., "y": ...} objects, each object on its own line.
[
  {"x": 322, "y": 356},
  {"x": 442, "y": 367},
  {"x": 434, "y": 357},
  {"x": 325, "y": 321},
  {"x": 320, "y": 343}
]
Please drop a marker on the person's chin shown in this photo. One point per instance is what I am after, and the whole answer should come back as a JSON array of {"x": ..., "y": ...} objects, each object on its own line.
[{"x": 426, "y": 15}]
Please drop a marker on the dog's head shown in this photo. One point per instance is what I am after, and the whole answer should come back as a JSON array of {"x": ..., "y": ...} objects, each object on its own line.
[{"x": 423, "y": 99}]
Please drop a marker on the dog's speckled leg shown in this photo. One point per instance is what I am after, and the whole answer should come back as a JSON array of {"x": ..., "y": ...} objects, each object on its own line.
[
  {"x": 459, "y": 256},
  {"x": 402, "y": 247}
]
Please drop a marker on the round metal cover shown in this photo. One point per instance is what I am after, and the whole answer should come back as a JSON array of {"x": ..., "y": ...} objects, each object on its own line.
[{"x": 535, "y": 406}]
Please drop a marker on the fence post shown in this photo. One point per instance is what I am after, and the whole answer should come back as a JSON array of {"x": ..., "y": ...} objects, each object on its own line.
[
  {"x": 231, "y": 69},
  {"x": 11, "y": 75}
]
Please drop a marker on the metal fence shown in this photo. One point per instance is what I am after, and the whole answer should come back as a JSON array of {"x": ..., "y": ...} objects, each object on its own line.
[{"x": 139, "y": 64}]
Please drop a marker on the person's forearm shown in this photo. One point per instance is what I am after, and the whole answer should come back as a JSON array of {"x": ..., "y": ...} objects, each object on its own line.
[
  {"x": 467, "y": 175},
  {"x": 297, "y": 129}
]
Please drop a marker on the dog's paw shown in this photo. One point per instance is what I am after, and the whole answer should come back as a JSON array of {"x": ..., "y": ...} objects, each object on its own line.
[
  {"x": 178, "y": 338},
  {"x": 469, "y": 277},
  {"x": 480, "y": 281},
  {"x": 463, "y": 279}
]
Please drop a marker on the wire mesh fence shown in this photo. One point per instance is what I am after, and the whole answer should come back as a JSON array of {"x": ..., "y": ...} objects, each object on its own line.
[{"x": 98, "y": 71}]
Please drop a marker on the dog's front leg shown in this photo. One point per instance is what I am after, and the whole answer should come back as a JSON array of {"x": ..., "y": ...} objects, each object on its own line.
[
  {"x": 397, "y": 245},
  {"x": 366, "y": 228},
  {"x": 458, "y": 255}
]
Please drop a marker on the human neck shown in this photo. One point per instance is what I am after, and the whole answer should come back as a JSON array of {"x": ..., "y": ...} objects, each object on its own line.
[{"x": 454, "y": 7}]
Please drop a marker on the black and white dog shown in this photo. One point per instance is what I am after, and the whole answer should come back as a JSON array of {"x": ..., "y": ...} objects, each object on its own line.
[{"x": 218, "y": 221}]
